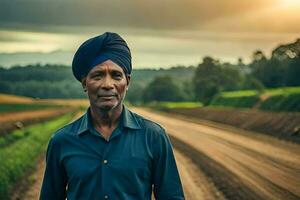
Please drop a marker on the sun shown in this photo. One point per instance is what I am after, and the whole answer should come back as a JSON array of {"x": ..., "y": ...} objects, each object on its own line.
[{"x": 289, "y": 2}]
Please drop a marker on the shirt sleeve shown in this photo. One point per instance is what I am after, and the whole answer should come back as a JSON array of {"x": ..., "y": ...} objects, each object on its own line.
[
  {"x": 55, "y": 181},
  {"x": 166, "y": 180}
]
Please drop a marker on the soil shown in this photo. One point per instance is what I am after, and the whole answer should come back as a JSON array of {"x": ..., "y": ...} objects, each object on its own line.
[
  {"x": 239, "y": 164},
  {"x": 283, "y": 125},
  {"x": 217, "y": 162},
  {"x": 14, "y": 120}
]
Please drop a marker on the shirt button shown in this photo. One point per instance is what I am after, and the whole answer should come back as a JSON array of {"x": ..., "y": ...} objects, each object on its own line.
[
  {"x": 105, "y": 197},
  {"x": 105, "y": 161}
]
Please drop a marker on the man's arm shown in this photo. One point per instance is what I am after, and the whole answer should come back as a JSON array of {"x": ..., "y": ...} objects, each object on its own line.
[
  {"x": 166, "y": 180},
  {"x": 55, "y": 181}
]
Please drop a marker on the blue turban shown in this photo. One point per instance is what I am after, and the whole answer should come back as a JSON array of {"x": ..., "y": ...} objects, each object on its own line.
[{"x": 94, "y": 51}]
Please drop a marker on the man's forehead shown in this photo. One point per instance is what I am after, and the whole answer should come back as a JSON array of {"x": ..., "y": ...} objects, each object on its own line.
[{"x": 107, "y": 65}]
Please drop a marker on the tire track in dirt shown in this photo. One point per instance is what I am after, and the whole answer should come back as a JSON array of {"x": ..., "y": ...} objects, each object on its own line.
[
  {"x": 226, "y": 182},
  {"x": 237, "y": 165},
  {"x": 225, "y": 157},
  {"x": 195, "y": 183}
]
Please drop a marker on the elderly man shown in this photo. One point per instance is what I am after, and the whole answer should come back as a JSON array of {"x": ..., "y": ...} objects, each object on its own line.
[{"x": 110, "y": 152}]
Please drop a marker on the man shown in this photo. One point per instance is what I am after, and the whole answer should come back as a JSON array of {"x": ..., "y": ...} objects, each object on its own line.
[{"x": 110, "y": 152}]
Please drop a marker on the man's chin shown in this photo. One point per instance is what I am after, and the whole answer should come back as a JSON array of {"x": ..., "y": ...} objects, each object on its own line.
[{"x": 107, "y": 107}]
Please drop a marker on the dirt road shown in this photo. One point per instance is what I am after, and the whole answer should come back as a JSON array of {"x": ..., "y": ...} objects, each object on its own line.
[
  {"x": 215, "y": 163},
  {"x": 239, "y": 164}
]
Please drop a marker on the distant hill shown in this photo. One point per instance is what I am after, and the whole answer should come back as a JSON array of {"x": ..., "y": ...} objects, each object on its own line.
[{"x": 56, "y": 81}]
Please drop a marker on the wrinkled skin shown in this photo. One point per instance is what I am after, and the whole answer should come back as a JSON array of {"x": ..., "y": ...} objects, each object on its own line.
[{"x": 106, "y": 86}]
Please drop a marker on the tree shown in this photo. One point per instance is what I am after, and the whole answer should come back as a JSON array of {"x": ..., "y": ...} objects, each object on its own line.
[
  {"x": 292, "y": 76},
  {"x": 162, "y": 88},
  {"x": 135, "y": 93},
  {"x": 207, "y": 80},
  {"x": 281, "y": 69},
  {"x": 287, "y": 51}
]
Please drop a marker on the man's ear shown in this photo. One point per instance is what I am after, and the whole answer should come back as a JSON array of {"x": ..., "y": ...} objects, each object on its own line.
[
  {"x": 128, "y": 80},
  {"x": 83, "y": 83}
]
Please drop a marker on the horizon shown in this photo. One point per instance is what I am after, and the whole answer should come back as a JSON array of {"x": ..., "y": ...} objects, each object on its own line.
[{"x": 43, "y": 32}]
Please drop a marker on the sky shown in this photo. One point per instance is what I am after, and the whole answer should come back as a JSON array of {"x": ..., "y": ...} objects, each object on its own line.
[{"x": 160, "y": 33}]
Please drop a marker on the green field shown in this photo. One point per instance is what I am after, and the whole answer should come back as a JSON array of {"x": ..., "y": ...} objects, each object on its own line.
[
  {"x": 282, "y": 99},
  {"x": 20, "y": 151},
  {"x": 172, "y": 105},
  {"x": 239, "y": 99},
  {"x": 241, "y": 93},
  {"x": 279, "y": 99}
]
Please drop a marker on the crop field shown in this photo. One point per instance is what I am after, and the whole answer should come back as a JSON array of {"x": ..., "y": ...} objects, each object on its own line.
[
  {"x": 25, "y": 127},
  {"x": 23, "y": 107},
  {"x": 20, "y": 155},
  {"x": 280, "y": 99},
  {"x": 173, "y": 105},
  {"x": 14, "y": 120},
  {"x": 215, "y": 162},
  {"x": 7, "y": 98}
]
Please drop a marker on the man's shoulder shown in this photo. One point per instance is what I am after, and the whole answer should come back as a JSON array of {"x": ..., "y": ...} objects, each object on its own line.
[
  {"x": 68, "y": 130},
  {"x": 148, "y": 124},
  {"x": 153, "y": 131}
]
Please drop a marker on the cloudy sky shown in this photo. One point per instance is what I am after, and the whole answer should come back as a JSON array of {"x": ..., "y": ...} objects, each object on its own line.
[{"x": 160, "y": 33}]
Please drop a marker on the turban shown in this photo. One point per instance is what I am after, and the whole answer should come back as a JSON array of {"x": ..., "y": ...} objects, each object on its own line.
[{"x": 94, "y": 51}]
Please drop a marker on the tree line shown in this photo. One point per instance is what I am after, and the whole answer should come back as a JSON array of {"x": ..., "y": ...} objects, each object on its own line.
[
  {"x": 180, "y": 83},
  {"x": 211, "y": 76}
]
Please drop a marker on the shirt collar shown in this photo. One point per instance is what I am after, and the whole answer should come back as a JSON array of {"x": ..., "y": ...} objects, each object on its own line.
[{"x": 127, "y": 118}]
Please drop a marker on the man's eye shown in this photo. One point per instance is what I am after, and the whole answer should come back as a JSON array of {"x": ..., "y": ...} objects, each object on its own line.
[
  {"x": 96, "y": 76},
  {"x": 118, "y": 76}
]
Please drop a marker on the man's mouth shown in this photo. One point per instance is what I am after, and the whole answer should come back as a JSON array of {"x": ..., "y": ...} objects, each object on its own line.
[{"x": 107, "y": 97}]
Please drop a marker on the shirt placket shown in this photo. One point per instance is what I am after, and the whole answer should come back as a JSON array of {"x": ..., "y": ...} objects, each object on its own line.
[
  {"x": 105, "y": 163},
  {"x": 105, "y": 172}
]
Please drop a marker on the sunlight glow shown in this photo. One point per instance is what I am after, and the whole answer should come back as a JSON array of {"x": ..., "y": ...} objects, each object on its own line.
[
  {"x": 18, "y": 41},
  {"x": 289, "y": 3}
]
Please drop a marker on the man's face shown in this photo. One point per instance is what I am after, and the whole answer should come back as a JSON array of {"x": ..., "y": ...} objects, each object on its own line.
[{"x": 106, "y": 85}]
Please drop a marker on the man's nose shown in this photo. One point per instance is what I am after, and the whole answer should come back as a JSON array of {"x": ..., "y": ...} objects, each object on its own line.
[{"x": 107, "y": 83}]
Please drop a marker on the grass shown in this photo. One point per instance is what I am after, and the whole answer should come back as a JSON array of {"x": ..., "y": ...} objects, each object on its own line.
[
  {"x": 173, "y": 105},
  {"x": 283, "y": 91},
  {"x": 279, "y": 99},
  {"x": 181, "y": 104},
  {"x": 18, "y": 157},
  {"x": 237, "y": 99},
  {"x": 282, "y": 99},
  {"x": 241, "y": 93},
  {"x": 8, "y": 139}
]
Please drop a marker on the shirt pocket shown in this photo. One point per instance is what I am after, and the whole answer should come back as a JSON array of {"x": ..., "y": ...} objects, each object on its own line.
[
  {"x": 132, "y": 168},
  {"x": 81, "y": 168}
]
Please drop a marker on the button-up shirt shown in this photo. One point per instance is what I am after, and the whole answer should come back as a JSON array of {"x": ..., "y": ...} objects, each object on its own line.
[{"x": 136, "y": 159}]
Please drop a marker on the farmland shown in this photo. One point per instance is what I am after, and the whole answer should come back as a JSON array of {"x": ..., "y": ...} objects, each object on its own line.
[
  {"x": 274, "y": 112},
  {"x": 215, "y": 161},
  {"x": 280, "y": 99},
  {"x": 20, "y": 156},
  {"x": 230, "y": 163},
  {"x": 21, "y": 143}
]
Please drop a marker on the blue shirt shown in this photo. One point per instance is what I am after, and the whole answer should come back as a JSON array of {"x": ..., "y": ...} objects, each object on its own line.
[{"x": 137, "y": 158}]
